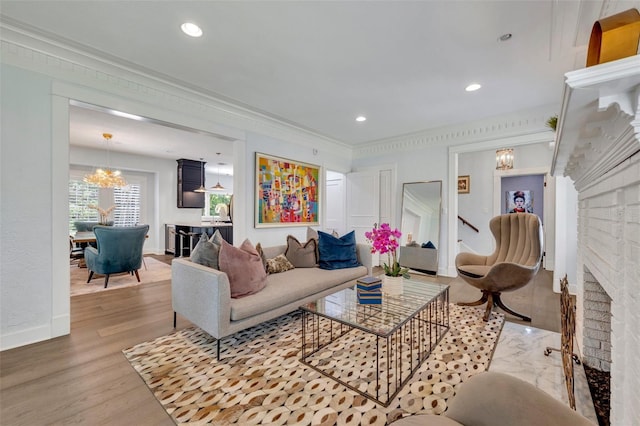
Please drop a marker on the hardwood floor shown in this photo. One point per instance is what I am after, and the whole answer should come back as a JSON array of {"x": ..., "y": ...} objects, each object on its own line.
[{"x": 84, "y": 378}]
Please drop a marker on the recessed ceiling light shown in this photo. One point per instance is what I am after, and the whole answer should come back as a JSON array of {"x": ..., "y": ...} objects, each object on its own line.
[
  {"x": 361, "y": 118},
  {"x": 505, "y": 37},
  {"x": 191, "y": 29},
  {"x": 472, "y": 87}
]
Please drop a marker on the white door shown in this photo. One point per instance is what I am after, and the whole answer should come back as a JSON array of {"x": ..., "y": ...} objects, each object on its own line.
[
  {"x": 363, "y": 202},
  {"x": 363, "y": 205},
  {"x": 335, "y": 214}
]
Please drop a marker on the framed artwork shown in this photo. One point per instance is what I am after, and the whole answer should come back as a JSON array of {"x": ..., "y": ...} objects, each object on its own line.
[
  {"x": 520, "y": 201},
  {"x": 464, "y": 184},
  {"x": 287, "y": 192}
]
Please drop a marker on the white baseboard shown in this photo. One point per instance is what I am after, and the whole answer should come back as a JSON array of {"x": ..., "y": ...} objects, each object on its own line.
[
  {"x": 25, "y": 337},
  {"x": 61, "y": 325}
]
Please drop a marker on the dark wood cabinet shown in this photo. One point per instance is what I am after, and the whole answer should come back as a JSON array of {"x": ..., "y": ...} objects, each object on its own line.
[{"x": 190, "y": 177}]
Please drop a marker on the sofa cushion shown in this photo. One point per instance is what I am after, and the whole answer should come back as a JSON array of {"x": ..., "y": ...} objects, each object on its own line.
[
  {"x": 337, "y": 253},
  {"x": 428, "y": 245},
  {"x": 313, "y": 234},
  {"x": 278, "y": 264},
  {"x": 292, "y": 286},
  {"x": 301, "y": 256},
  {"x": 243, "y": 267},
  {"x": 263, "y": 258},
  {"x": 207, "y": 251},
  {"x": 474, "y": 271}
]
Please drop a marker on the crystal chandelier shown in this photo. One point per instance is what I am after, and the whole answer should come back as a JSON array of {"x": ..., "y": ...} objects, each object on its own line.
[
  {"x": 504, "y": 159},
  {"x": 106, "y": 178}
]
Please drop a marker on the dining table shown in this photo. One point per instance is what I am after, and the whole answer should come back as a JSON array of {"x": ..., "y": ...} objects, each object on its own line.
[{"x": 84, "y": 237}]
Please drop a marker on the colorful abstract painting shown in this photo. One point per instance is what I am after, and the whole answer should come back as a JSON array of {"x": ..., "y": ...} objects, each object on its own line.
[{"x": 287, "y": 192}]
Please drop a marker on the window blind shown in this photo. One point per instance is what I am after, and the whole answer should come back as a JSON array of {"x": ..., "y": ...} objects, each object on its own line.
[
  {"x": 81, "y": 195},
  {"x": 127, "y": 202}
]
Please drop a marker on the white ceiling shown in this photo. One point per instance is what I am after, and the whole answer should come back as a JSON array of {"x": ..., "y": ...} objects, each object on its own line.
[
  {"x": 319, "y": 64},
  {"x": 146, "y": 137}
]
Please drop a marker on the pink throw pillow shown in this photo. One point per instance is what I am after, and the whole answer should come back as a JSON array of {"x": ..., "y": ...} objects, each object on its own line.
[{"x": 243, "y": 267}]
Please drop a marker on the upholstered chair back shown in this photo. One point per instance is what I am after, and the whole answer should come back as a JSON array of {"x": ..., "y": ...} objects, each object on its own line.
[
  {"x": 518, "y": 239},
  {"x": 119, "y": 249}
]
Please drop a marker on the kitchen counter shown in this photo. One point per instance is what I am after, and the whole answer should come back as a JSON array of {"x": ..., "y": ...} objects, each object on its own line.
[
  {"x": 179, "y": 244},
  {"x": 203, "y": 224}
]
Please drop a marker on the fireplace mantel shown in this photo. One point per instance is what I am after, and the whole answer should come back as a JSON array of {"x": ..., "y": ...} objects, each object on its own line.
[
  {"x": 598, "y": 147},
  {"x": 599, "y": 124}
]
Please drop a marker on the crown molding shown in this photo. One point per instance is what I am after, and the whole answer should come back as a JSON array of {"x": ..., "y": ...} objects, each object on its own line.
[
  {"x": 38, "y": 53},
  {"x": 529, "y": 122}
]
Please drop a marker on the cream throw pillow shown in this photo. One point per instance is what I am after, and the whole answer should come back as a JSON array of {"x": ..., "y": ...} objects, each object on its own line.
[{"x": 278, "y": 264}]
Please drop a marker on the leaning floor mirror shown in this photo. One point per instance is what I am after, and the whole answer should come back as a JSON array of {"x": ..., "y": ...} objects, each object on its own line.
[{"x": 421, "y": 204}]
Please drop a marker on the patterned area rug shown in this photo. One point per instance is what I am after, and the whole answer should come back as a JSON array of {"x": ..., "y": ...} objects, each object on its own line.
[
  {"x": 260, "y": 380},
  {"x": 154, "y": 271}
]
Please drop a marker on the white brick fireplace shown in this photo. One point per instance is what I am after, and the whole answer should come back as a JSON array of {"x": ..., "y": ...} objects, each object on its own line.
[{"x": 598, "y": 147}]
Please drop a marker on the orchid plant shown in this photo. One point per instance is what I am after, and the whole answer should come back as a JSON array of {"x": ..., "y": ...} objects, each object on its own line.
[{"x": 385, "y": 240}]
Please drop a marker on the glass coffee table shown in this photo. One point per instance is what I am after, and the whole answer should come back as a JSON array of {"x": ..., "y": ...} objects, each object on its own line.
[{"x": 375, "y": 349}]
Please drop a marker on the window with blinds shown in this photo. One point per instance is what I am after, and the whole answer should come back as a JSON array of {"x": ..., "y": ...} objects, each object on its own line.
[
  {"x": 81, "y": 195},
  {"x": 127, "y": 202}
]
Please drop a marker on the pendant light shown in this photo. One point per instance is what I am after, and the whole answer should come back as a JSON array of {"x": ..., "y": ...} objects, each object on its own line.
[
  {"x": 202, "y": 188},
  {"x": 217, "y": 186},
  {"x": 107, "y": 177}
]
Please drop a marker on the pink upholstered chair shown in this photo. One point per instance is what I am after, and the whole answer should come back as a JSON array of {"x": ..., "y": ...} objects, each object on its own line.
[{"x": 512, "y": 265}]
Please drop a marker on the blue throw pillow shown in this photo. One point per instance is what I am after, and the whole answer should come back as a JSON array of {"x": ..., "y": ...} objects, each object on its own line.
[
  {"x": 337, "y": 253},
  {"x": 428, "y": 245}
]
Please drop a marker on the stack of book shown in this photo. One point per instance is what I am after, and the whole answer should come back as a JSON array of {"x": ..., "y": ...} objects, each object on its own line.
[{"x": 369, "y": 291}]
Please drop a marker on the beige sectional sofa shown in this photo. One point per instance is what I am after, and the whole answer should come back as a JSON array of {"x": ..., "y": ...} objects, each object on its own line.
[{"x": 203, "y": 296}]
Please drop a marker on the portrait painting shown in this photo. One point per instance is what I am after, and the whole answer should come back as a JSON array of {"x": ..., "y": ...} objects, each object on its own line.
[{"x": 519, "y": 201}]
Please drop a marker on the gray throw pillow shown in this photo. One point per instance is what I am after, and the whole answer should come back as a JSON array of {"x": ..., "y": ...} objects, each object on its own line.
[
  {"x": 301, "y": 256},
  {"x": 207, "y": 251}
]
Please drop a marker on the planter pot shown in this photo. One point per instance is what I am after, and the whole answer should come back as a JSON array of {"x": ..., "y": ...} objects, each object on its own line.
[{"x": 392, "y": 285}]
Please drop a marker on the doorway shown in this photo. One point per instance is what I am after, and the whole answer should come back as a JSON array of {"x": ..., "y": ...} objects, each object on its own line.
[{"x": 63, "y": 96}]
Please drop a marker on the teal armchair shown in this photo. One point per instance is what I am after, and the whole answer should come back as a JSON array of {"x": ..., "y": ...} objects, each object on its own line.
[{"x": 119, "y": 250}]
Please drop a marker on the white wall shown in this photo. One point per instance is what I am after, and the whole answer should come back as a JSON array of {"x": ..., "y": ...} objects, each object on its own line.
[
  {"x": 477, "y": 206},
  {"x": 25, "y": 207},
  {"x": 566, "y": 234}
]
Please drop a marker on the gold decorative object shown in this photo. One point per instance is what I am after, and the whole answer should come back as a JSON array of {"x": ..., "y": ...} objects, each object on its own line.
[
  {"x": 217, "y": 186},
  {"x": 201, "y": 188},
  {"x": 106, "y": 178},
  {"x": 614, "y": 37},
  {"x": 104, "y": 213},
  {"x": 504, "y": 159},
  {"x": 568, "y": 331}
]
